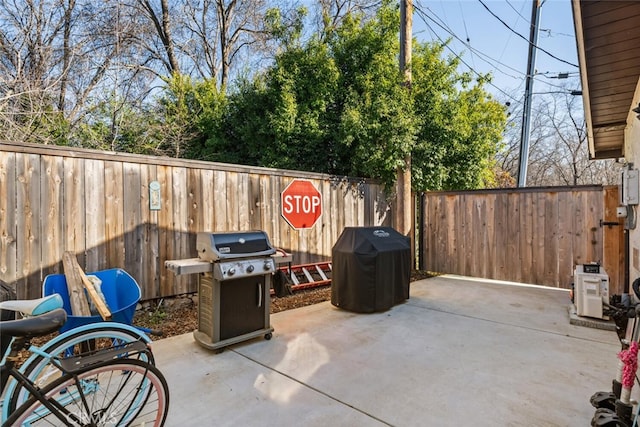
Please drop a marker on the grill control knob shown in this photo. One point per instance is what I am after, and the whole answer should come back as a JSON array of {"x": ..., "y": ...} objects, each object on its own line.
[
  {"x": 250, "y": 268},
  {"x": 267, "y": 266},
  {"x": 231, "y": 271}
]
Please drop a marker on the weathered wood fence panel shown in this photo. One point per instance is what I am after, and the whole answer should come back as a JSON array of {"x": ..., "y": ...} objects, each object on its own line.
[
  {"x": 96, "y": 204},
  {"x": 522, "y": 235}
]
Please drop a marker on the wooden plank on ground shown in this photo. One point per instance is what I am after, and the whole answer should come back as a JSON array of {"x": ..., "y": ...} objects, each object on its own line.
[
  {"x": 75, "y": 286},
  {"x": 100, "y": 305}
]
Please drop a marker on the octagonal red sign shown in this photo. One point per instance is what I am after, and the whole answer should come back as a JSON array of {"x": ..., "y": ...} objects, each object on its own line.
[{"x": 301, "y": 204}]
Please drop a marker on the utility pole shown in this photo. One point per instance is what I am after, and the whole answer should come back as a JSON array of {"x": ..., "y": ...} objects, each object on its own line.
[
  {"x": 403, "y": 215},
  {"x": 526, "y": 113}
]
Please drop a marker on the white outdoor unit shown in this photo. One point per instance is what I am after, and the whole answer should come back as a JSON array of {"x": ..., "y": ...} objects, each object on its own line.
[{"x": 591, "y": 290}]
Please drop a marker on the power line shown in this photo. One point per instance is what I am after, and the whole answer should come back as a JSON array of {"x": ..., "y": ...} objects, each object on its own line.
[
  {"x": 523, "y": 37},
  {"x": 504, "y": 49},
  {"x": 515, "y": 10},
  {"x": 424, "y": 17},
  {"x": 446, "y": 45},
  {"x": 448, "y": 30},
  {"x": 466, "y": 32}
]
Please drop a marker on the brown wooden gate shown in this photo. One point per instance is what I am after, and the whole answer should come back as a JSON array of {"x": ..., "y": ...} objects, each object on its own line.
[{"x": 530, "y": 235}]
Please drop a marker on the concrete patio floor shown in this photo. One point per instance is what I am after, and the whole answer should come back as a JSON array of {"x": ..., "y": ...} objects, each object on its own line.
[{"x": 460, "y": 351}]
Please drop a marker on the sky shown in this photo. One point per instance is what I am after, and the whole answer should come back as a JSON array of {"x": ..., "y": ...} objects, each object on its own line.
[{"x": 499, "y": 44}]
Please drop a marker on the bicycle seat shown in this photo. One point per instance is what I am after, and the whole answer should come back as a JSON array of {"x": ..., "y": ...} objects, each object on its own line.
[
  {"x": 35, "y": 326},
  {"x": 33, "y": 307}
]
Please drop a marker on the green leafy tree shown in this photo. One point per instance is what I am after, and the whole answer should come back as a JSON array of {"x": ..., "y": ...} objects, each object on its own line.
[
  {"x": 188, "y": 112},
  {"x": 460, "y": 125},
  {"x": 280, "y": 120},
  {"x": 375, "y": 121},
  {"x": 338, "y": 105}
]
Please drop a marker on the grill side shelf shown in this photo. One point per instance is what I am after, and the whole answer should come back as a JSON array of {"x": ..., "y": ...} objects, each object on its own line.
[{"x": 188, "y": 266}]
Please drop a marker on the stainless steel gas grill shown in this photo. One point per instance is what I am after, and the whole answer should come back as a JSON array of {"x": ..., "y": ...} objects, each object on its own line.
[{"x": 234, "y": 284}]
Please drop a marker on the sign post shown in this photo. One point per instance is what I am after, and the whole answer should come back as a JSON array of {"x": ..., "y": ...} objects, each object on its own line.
[{"x": 301, "y": 204}]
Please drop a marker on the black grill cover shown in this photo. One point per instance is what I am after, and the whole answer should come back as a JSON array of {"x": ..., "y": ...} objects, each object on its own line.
[{"x": 371, "y": 269}]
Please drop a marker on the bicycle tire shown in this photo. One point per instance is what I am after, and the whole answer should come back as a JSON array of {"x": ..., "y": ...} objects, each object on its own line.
[
  {"x": 35, "y": 368},
  {"x": 118, "y": 392}
]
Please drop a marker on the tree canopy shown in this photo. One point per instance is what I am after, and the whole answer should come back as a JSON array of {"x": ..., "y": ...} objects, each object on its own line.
[
  {"x": 331, "y": 100},
  {"x": 337, "y": 104}
]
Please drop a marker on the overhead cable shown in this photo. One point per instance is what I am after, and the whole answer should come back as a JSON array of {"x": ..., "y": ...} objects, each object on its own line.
[{"x": 523, "y": 37}]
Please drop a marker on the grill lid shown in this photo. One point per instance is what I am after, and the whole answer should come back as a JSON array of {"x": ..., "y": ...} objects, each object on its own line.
[{"x": 242, "y": 244}]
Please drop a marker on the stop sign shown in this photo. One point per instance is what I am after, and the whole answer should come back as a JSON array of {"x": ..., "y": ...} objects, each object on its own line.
[{"x": 301, "y": 204}]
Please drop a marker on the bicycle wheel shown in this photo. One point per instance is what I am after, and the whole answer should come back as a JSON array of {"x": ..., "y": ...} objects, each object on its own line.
[
  {"x": 38, "y": 369},
  {"x": 120, "y": 392}
]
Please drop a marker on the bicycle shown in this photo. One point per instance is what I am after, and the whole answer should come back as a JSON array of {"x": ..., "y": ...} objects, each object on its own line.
[{"x": 68, "y": 382}]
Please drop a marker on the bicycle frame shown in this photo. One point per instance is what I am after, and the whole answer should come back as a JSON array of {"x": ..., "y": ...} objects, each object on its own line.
[{"x": 11, "y": 377}]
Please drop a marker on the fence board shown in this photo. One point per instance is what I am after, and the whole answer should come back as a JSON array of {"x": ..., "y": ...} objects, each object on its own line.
[
  {"x": 512, "y": 245},
  {"x": 114, "y": 222},
  {"x": 133, "y": 226},
  {"x": 147, "y": 263},
  {"x": 613, "y": 242},
  {"x": 51, "y": 202},
  {"x": 285, "y": 229},
  {"x": 180, "y": 229},
  {"x": 74, "y": 208},
  {"x": 8, "y": 204},
  {"x": 267, "y": 218},
  {"x": 195, "y": 213},
  {"x": 501, "y": 234},
  {"x": 220, "y": 201},
  {"x": 565, "y": 239},
  {"x": 549, "y": 251},
  {"x": 96, "y": 210},
  {"x": 165, "y": 229},
  {"x": 28, "y": 225},
  {"x": 233, "y": 204},
  {"x": 537, "y": 242},
  {"x": 208, "y": 200},
  {"x": 242, "y": 192},
  {"x": 255, "y": 206}
]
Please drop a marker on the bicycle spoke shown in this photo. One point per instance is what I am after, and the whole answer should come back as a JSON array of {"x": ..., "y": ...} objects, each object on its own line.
[{"x": 119, "y": 392}]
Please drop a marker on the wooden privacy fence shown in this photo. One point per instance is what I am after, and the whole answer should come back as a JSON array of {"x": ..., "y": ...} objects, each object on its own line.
[
  {"x": 523, "y": 235},
  {"x": 98, "y": 205}
]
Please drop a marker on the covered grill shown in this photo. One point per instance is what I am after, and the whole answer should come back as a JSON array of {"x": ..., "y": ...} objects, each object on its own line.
[
  {"x": 233, "y": 286},
  {"x": 371, "y": 269}
]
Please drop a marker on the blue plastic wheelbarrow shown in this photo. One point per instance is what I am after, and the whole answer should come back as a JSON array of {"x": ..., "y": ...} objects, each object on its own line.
[{"x": 120, "y": 290}]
